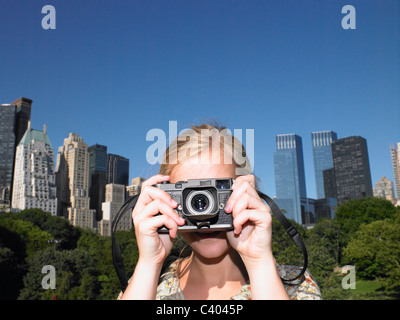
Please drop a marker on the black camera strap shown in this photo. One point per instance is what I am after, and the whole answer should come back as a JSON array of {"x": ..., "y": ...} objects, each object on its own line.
[
  {"x": 293, "y": 233},
  {"x": 116, "y": 252},
  {"x": 288, "y": 226}
]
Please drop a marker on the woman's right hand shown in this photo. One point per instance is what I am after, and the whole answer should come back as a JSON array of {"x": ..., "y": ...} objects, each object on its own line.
[{"x": 154, "y": 247}]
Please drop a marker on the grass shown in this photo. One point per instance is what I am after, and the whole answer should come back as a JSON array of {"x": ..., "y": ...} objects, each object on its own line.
[
  {"x": 370, "y": 290},
  {"x": 366, "y": 286}
]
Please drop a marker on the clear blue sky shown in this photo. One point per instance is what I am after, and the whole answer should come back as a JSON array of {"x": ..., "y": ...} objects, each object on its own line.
[{"x": 113, "y": 70}]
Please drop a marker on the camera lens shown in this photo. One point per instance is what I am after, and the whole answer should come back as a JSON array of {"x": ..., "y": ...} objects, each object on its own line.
[{"x": 200, "y": 202}]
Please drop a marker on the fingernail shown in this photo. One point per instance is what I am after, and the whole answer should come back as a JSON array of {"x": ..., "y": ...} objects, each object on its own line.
[
  {"x": 174, "y": 203},
  {"x": 227, "y": 208}
]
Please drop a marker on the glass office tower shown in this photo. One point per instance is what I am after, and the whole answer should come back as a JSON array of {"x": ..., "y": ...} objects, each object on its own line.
[
  {"x": 322, "y": 155},
  {"x": 290, "y": 181},
  {"x": 117, "y": 169},
  {"x": 98, "y": 177}
]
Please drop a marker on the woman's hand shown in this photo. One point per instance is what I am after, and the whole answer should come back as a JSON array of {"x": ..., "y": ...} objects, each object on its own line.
[
  {"x": 154, "y": 247},
  {"x": 154, "y": 209},
  {"x": 252, "y": 222},
  {"x": 252, "y": 237}
]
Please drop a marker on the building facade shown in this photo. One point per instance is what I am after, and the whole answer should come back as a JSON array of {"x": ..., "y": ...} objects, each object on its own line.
[
  {"x": 351, "y": 168},
  {"x": 72, "y": 177},
  {"x": 117, "y": 169},
  {"x": 115, "y": 198},
  {"x": 395, "y": 153},
  {"x": 7, "y": 151},
  {"x": 384, "y": 190},
  {"x": 322, "y": 156},
  {"x": 34, "y": 183},
  {"x": 330, "y": 183},
  {"x": 290, "y": 182},
  {"x": 14, "y": 118},
  {"x": 134, "y": 188},
  {"x": 98, "y": 177}
]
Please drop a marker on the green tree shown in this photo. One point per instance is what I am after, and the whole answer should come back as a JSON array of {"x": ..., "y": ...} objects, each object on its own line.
[
  {"x": 66, "y": 234},
  {"x": 351, "y": 214},
  {"x": 375, "y": 251},
  {"x": 323, "y": 248},
  {"x": 76, "y": 276},
  {"x": 12, "y": 264},
  {"x": 285, "y": 250},
  {"x": 33, "y": 237}
]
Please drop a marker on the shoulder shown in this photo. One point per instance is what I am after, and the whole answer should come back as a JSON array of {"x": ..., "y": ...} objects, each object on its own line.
[{"x": 306, "y": 290}]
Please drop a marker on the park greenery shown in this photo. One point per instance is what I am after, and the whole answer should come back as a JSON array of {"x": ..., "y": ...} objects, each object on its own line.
[{"x": 365, "y": 233}]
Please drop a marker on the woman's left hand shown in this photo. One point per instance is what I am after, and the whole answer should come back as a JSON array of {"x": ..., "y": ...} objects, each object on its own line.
[{"x": 252, "y": 233}]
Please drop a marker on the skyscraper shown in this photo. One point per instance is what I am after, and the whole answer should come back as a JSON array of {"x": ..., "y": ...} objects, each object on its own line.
[
  {"x": 98, "y": 177},
  {"x": 351, "y": 168},
  {"x": 23, "y": 110},
  {"x": 395, "y": 153},
  {"x": 289, "y": 176},
  {"x": 34, "y": 178},
  {"x": 322, "y": 155},
  {"x": 117, "y": 169},
  {"x": 73, "y": 182},
  {"x": 7, "y": 150},
  {"x": 14, "y": 120}
]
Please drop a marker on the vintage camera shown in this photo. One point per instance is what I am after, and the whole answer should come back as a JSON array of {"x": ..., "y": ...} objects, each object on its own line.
[{"x": 201, "y": 203}]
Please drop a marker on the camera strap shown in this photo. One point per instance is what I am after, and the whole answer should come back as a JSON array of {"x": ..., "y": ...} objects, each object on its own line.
[
  {"x": 293, "y": 233},
  {"x": 128, "y": 206}
]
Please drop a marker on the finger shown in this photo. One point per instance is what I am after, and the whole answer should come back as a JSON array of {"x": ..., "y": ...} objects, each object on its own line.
[
  {"x": 236, "y": 194},
  {"x": 151, "y": 226},
  {"x": 149, "y": 194},
  {"x": 247, "y": 201},
  {"x": 251, "y": 179},
  {"x": 155, "y": 179},
  {"x": 154, "y": 208},
  {"x": 259, "y": 218}
]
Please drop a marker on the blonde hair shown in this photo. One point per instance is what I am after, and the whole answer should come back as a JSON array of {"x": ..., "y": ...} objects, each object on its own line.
[{"x": 198, "y": 141}]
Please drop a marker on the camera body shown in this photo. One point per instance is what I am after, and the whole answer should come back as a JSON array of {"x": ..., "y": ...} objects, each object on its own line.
[{"x": 201, "y": 203}]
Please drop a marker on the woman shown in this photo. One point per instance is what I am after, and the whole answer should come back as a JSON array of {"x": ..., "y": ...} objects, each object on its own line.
[{"x": 237, "y": 264}]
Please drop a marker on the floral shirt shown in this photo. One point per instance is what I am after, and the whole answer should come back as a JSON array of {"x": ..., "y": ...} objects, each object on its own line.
[{"x": 169, "y": 289}]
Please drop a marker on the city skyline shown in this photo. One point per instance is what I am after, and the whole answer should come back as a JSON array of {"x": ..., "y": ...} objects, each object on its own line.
[
  {"x": 283, "y": 141},
  {"x": 84, "y": 173},
  {"x": 262, "y": 66}
]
